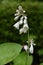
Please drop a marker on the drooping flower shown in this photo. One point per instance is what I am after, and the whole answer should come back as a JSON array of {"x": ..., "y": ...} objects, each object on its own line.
[
  {"x": 16, "y": 18},
  {"x": 16, "y": 25},
  {"x": 25, "y": 28},
  {"x": 21, "y": 31},
  {"x": 17, "y": 13},
  {"x": 25, "y": 19},
  {"x": 31, "y": 49},
  {"x": 21, "y": 20}
]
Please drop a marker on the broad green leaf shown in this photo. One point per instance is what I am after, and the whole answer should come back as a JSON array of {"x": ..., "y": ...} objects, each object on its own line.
[
  {"x": 41, "y": 64},
  {"x": 40, "y": 52},
  {"x": 23, "y": 59},
  {"x": 9, "y": 51}
]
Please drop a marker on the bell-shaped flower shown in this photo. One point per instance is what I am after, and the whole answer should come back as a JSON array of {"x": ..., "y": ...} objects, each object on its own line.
[
  {"x": 25, "y": 28},
  {"x": 16, "y": 18},
  {"x": 17, "y": 14},
  {"x": 17, "y": 11},
  {"x": 25, "y": 21},
  {"x": 21, "y": 31},
  {"x": 16, "y": 25},
  {"x": 21, "y": 20},
  {"x": 31, "y": 49},
  {"x": 25, "y": 17}
]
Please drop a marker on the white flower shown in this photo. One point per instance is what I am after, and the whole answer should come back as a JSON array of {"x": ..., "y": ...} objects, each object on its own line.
[
  {"x": 16, "y": 25},
  {"x": 16, "y": 18},
  {"x": 17, "y": 11},
  {"x": 25, "y": 21},
  {"x": 21, "y": 31},
  {"x": 17, "y": 14},
  {"x": 25, "y": 47},
  {"x": 21, "y": 20},
  {"x": 24, "y": 11},
  {"x": 25, "y": 28},
  {"x": 31, "y": 49},
  {"x": 25, "y": 17}
]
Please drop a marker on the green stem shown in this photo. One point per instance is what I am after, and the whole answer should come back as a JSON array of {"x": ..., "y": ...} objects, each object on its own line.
[{"x": 27, "y": 51}]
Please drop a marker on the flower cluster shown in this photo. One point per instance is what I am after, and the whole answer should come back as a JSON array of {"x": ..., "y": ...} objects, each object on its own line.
[{"x": 23, "y": 20}]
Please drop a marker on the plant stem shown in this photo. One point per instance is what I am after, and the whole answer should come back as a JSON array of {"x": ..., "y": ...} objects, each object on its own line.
[{"x": 27, "y": 50}]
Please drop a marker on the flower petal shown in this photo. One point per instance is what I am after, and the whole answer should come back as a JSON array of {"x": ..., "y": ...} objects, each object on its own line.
[
  {"x": 21, "y": 31},
  {"x": 25, "y": 21},
  {"x": 16, "y": 18},
  {"x": 25, "y": 27},
  {"x": 21, "y": 22},
  {"x": 16, "y": 25}
]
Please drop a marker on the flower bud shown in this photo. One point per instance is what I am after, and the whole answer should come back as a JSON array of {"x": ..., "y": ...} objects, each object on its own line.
[{"x": 25, "y": 47}]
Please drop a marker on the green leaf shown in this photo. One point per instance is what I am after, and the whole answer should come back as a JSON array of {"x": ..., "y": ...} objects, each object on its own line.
[
  {"x": 41, "y": 64},
  {"x": 23, "y": 59},
  {"x": 9, "y": 51}
]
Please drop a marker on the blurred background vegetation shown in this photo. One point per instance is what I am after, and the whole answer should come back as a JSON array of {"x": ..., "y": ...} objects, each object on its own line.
[{"x": 34, "y": 11}]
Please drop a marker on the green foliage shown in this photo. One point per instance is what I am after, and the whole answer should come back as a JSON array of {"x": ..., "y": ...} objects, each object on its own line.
[
  {"x": 41, "y": 64},
  {"x": 8, "y": 52},
  {"x": 23, "y": 59}
]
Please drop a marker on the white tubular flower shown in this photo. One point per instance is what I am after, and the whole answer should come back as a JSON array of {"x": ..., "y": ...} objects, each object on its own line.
[
  {"x": 25, "y": 17},
  {"x": 21, "y": 31},
  {"x": 25, "y": 28},
  {"x": 16, "y": 25},
  {"x": 25, "y": 47},
  {"x": 31, "y": 49},
  {"x": 17, "y": 11},
  {"x": 21, "y": 20},
  {"x": 16, "y": 18},
  {"x": 25, "y": 21},
  {"x": 17, "y": 14}
]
